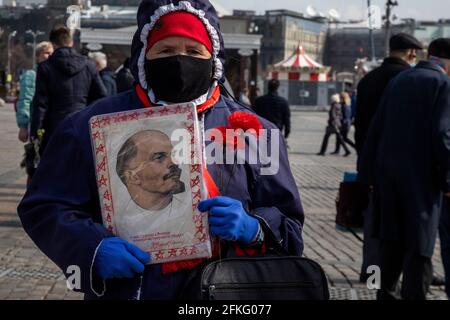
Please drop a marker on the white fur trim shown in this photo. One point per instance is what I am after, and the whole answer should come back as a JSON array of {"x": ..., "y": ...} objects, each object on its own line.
[{"x": 182, "y": 6}]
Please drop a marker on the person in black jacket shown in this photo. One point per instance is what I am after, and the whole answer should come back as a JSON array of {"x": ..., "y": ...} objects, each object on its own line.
[
  {"x": 67, "y": 82},
  {"x": 406, "y": 159},
  {"x": 403, "y": 53},
  {"x": 108, "y": 76},
  {"x": 274, "y": 108},
  {"x": 403, "y": 49}
]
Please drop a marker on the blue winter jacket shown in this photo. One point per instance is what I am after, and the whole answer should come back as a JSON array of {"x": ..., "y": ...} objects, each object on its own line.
[{"x": 27, "y": 86}]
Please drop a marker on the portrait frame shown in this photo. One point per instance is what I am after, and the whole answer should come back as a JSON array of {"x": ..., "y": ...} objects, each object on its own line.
[{"x": 196, "y": 242}]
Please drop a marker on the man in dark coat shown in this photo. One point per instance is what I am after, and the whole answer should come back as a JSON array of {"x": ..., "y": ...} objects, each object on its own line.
[
  {"x": 403, "y": 52},
  {"x": 406, "y": 159},
  {"x": 61, "y": 210},
  {"x": 444, "y": 236},
  {"x": 274, "y": 108},
  {"x": 67, "y": 82}
]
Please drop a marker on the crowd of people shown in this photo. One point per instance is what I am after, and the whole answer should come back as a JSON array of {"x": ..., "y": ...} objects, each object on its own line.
[
  {"x": 402, "y": 123},
  {"x": 61, "y": 83}
]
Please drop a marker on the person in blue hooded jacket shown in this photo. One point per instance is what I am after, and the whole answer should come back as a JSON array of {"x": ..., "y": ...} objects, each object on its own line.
[{"x": 177, "y": 56}]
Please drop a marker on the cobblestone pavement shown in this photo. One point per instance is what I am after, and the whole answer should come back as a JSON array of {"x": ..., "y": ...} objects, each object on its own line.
[{"x": 25, "y": 273}]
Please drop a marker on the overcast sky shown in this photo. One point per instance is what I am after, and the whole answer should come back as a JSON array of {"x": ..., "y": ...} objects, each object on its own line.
[{"x": 349, "y": 9}]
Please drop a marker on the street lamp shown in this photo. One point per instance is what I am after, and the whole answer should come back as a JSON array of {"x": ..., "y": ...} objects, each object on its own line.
[
  {"x": 389, "y": 5},
  {"x": 35, "y": 35},
  {"x": 8, "y": 65},
  {"x": 371, "y": 36}
]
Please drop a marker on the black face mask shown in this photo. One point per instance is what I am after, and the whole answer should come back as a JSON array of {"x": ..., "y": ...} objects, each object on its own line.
[{"x": 178, "y": 78}]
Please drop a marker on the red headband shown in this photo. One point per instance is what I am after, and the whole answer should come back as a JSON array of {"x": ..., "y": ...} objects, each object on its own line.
[{"x": 180, "y": 24}]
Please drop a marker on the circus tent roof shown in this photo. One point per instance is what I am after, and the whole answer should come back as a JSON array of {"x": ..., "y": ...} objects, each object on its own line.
[{"x": 299, "y": 59}]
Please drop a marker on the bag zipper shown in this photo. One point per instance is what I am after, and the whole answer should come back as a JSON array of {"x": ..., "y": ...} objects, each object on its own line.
[{"x": 212, "y": 289}]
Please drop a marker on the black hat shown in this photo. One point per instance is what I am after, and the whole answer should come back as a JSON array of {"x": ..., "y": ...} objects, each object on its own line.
[
  {"x": 404, "y": 41},
  {"x": 440, "y": 48}
]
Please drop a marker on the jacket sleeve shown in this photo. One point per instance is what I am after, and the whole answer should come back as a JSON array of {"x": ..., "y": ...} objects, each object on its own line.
[
  {"x": 40, "y": 103},
  {"x": 27, "y": 89},
  {"x": 360, "y": 131},
  {"x": 367, "y": 159},
  {"x": 277, "y": 203},
  {"x": 441, "y": 136},
  {"x": 97, "y": 89},
  {"x": 57, "y": 211},
  {"x": 111, "y": 87}
]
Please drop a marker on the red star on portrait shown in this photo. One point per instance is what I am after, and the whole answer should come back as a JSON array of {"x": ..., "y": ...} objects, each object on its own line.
[
  {"x": 108, "y": 208},
  {"x": 117, "y": 118},
  {"x": 106, "y": 121},
  {"x": 172, "y": 253},
  {"x": 197, "y": 195},
  {"x": 100, "y": 149},
  {"x": 178, "y": 109},
  {"x": 96, "y": 135},
  {"x": 193, "y": 250},
  {"x": 159, "y": 255},
  {"x": 108, "y": 218},
  {"x": 134, "y": 116},
  {"x": 96, "y": 123},
  {"x": 102, "y": 182},
  {"x": 164, "y": 111},
  {"x": 149, "y": 113},
  {"x": 184, "y": 251},
  {"x": 195, "y": 182},
  {"x": 202, "y": 238},
  {"x": 102, "y": 166},
  {"x": 197, "y": 218},
  {"x": 200, "y": 229},
  {"x": 107, "y": 195}
]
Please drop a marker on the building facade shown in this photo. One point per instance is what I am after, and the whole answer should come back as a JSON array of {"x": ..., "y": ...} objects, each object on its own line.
[
  {"x": 345, "y": 45},
  {"x": 283, "y": 31}
]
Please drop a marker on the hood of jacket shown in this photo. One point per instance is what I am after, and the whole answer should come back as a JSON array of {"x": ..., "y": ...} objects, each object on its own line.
[
  {"x": 149, "y": 13},
  {"x": 68, "y": 61}
]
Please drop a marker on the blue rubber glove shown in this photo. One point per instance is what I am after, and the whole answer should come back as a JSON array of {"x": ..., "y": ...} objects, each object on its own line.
[
  {"x": 229, "y": 221},
  {"x": 117, "y": 258}
]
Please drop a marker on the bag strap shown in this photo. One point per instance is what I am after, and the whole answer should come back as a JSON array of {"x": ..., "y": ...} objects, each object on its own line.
[{"x": 270, "y": 246}]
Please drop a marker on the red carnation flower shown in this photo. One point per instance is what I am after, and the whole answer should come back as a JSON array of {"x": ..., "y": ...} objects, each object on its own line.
[
  {"x": 245, "y": 121},
  {"x": 230, "y": 140}
]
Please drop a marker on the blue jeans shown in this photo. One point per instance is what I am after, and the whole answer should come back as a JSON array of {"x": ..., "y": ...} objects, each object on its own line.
[{"x": 444, "y": 235}]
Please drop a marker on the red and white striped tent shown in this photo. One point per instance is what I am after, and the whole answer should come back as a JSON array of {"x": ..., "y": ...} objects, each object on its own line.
[{"x": 299, "y": 66}]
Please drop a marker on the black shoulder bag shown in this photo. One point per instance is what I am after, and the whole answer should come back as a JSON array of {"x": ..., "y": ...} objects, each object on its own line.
[{"x": 272, "y": 276}]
